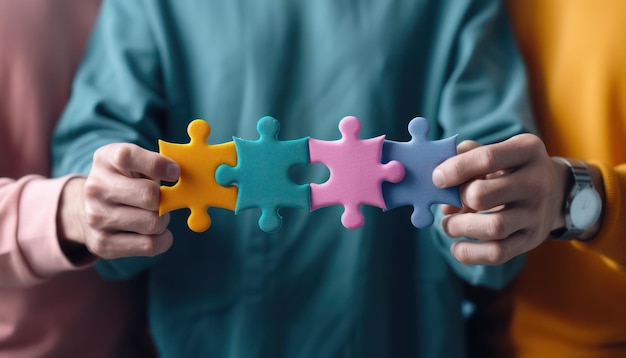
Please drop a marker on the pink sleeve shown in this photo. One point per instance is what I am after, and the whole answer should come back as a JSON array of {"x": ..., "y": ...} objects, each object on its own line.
[{"x": 29, "y": 246}]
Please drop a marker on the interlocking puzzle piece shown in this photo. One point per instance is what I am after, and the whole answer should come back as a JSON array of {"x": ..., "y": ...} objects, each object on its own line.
[
  {"x": 420, "y": 157},
  {"x": 262, "y": 174},
  {"x": 197, "y": 188},
  {"x": 356, "y": 172}
]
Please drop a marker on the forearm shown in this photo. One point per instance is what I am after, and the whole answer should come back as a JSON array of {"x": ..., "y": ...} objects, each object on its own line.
[{"x": 30, "y": 250}]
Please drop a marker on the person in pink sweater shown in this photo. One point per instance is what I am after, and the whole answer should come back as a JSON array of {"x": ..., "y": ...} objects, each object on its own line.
[{"x": 51, "y": 302}]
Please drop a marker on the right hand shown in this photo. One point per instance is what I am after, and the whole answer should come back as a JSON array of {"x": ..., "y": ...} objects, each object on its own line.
[
  {"x": 120, "y": 211},
  {"x": 512, "y": 194}
]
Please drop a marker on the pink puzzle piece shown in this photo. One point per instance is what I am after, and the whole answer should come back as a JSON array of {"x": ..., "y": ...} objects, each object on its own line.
[{"x": 356, "y": 172}]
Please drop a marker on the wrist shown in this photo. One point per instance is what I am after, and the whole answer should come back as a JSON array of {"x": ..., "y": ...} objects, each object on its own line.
[
  {"x": 69, "y": 220},
  {"x": 563, "y": 176}
]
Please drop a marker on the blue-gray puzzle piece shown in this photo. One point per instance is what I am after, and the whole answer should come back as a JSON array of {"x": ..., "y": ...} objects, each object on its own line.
[{"x": 419, "y": 157}]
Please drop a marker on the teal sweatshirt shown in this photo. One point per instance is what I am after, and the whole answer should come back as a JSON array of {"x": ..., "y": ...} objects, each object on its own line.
[{"x": 314, "y": 288}]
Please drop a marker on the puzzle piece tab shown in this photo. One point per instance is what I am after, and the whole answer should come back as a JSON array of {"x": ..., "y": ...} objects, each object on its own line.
[
  {"x": 356, "y": 172},
  {"x": 261, "y": 174},
  {"x": 420, "y": 157},
  {"x": 197, "y": 188}
]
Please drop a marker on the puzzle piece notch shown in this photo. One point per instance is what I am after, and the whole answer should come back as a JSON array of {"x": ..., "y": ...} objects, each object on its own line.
[
  {"x": 262, "y": 177},
  {"x": 197, "y": 188},
  {"x": 356, "y": 172},
  {"x": 420, "y": 157}
]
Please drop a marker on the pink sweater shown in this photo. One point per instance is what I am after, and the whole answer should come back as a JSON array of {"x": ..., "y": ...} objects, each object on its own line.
[{"x": 48, "y": 306}]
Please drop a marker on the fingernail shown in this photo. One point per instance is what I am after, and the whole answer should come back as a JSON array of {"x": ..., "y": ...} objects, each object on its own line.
[
  {"x": 173, "y": 171},
  {"x": 453, "y": 246},
  {"x": 444, "y": 223},
  {"x": 438, "y": 178}
]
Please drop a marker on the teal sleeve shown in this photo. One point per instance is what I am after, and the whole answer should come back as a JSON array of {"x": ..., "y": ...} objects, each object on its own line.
[
  {"x": 485, "y": 99},
  {"x": 116, "y": 97}
]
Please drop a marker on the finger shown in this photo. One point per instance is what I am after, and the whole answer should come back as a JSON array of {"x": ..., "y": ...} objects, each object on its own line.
[
  {"x": 462, "y": 147},
  {"x": 134, "y": 161},
  {"x": 492, "y": 252},
  {"x": 479, "y": 253},
  {"x": 526, "y": 184},
  {"x": 137, "y": 192},
  {"x": 466, "y": 146},
  {"x": 126, "y": 218},
  {"x": 131, "y": 244},
  {"x": 485, "y": 226},
  {"x": 485, "y": 160},
  {"x": 451, "y": 209},
  {"x": 485, "y": 194},
  {"x": 140, "y": 221},
  {"x": 497, "y": 174}
]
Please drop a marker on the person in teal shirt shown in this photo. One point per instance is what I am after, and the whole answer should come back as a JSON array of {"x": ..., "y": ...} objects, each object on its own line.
[{"x": 313, "y": 288}]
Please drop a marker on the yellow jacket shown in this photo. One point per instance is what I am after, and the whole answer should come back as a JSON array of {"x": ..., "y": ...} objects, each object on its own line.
[{"x": 570, "y": 300}]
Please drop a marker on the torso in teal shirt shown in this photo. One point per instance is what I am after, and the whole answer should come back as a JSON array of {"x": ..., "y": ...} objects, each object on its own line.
[{"x": 314, "y": 288}]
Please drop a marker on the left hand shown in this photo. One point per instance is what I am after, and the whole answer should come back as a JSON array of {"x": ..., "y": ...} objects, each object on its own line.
[
  {"x": 114, "y": 212},
  {"x": 512, "y": 193}
]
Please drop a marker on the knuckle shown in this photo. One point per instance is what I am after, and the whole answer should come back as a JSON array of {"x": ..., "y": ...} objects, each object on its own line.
[
  {"x": 148, "y": 247},
  {"x": 154, "y": 224},
  {"x": 162, "y": 243},
  {"x": 532, "y": 144},
  {"x": 496, "y": 228},
  {"x": 100, "y": 245},
  {"x": 495, "y": 255},
  {"x": 476, "y": 196},
  {"x": 148, "y": 194},
  {"x": 157, "y": 244},
  {"x": 95, "y": 217},
  {"x": 153, "y": 162},
  {"x": 121, "y": 155},
  {"x": 463, "y": 254},
  {"x": 100, "y": 154},
  {"x": 487, "y": 158},
  {"x": 455, "y": 169},
  {"x": 532, "y": 141},
  {"x": 470, "y": 254},
  {"x": 92, "y": 189}
]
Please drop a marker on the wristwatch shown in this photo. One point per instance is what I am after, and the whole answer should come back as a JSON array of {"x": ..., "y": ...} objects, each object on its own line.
[{"x": 583, "y": 206}]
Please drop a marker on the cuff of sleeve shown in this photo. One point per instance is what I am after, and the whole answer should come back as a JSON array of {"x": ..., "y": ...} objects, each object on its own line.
[
  {"x": 609, "y": 242},
  {"x": 37, "y": 228}
]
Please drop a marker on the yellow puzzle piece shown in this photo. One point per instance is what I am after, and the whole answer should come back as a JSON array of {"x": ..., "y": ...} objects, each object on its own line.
[{"x": 197, "y": 188}]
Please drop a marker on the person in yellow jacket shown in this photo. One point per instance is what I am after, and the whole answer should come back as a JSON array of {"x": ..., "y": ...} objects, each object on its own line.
[{"x": 570, "y": 299}]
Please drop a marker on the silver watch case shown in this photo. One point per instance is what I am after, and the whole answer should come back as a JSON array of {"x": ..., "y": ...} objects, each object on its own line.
[{"x": 583, "y": 206}]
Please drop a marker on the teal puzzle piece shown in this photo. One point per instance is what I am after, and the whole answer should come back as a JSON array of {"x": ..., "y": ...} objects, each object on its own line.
[{"x": 261, "y": 174}]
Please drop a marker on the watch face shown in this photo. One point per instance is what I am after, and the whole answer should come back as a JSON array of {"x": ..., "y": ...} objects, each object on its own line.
[{"x": 585, "y": 208}]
